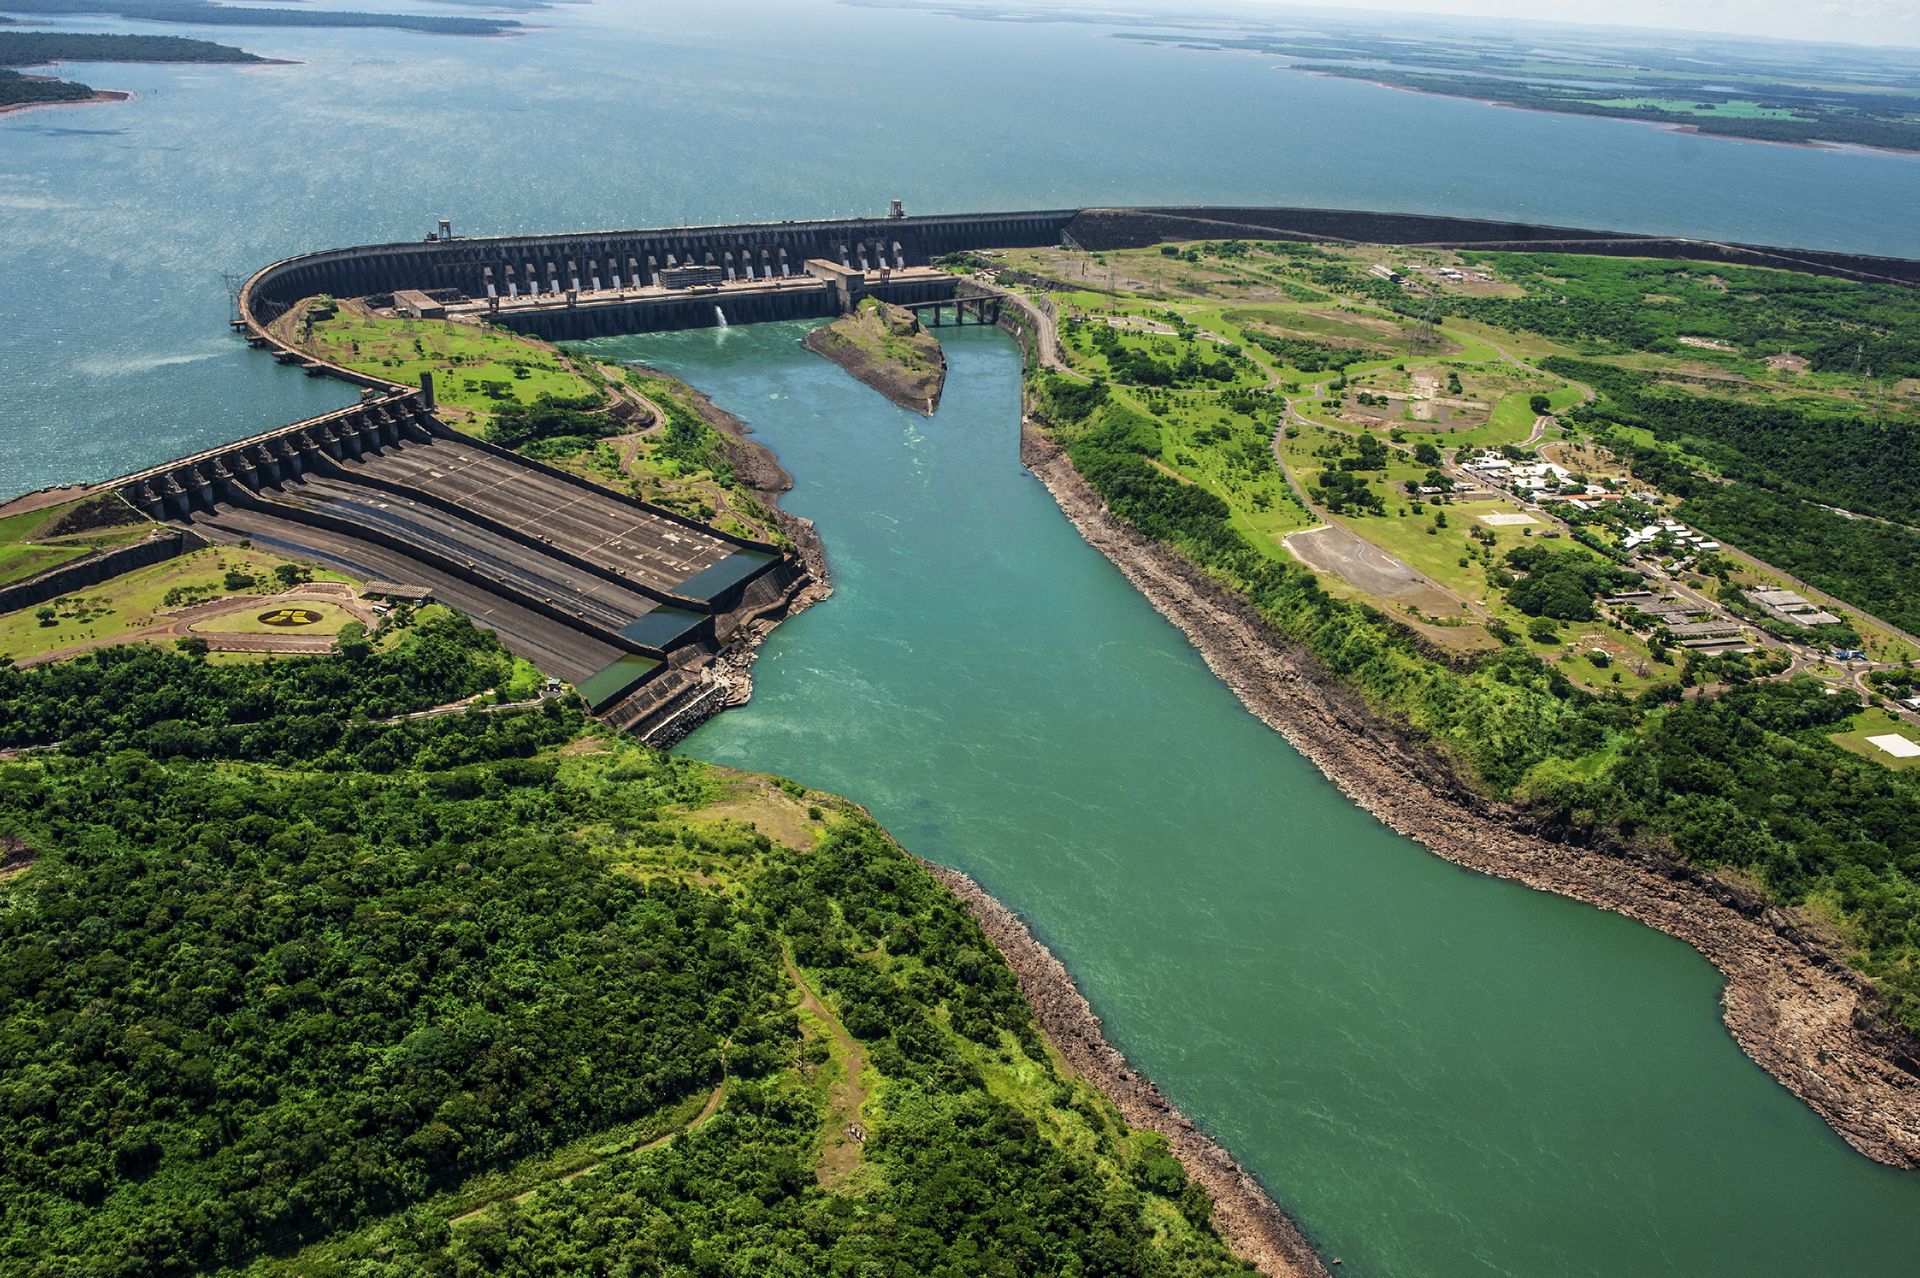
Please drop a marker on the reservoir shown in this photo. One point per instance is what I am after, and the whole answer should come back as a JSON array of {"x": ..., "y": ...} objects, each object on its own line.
[{"x": 1441, "y": 1074}]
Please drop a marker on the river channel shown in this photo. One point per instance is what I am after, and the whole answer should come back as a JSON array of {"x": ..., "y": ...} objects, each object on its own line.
[{"x": 1439, "y": 1073}]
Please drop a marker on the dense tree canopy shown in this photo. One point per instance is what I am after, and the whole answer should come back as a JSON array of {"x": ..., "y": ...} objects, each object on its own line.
[{"x": 278, "y": 980}]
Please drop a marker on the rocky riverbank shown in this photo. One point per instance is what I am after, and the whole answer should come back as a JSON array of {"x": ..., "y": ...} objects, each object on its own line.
[
  {"x": 1243, "y": 1212},
  {"x": 1795, "y": 1008},
  {"x": 884, "y": 346}
]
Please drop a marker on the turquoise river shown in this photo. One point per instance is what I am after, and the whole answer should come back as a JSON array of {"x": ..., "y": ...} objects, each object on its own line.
[{"x": 1442, "y": 1075}]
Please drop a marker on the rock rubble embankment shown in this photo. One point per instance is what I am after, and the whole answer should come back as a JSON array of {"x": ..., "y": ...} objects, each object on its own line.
[{"x": 1796, "y": 1009}]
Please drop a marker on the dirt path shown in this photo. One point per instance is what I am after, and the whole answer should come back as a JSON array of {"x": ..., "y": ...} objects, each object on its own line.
[
  {"x": 712, "y": 1106},
  {"x": 841, "y": 1152}
]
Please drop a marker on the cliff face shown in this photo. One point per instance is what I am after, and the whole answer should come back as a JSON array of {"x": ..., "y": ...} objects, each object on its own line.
[{"x": 885, "y": 347}]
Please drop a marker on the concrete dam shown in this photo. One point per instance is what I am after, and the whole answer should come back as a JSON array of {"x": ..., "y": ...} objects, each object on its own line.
[
  {"x": 595, "y": 283},
  {"x": 627, "y": 600}
]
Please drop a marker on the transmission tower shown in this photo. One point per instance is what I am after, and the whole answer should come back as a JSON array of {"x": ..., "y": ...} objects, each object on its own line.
[
  {"x": 234, "y": 284},
  {"x": 1427, "y": 334}
]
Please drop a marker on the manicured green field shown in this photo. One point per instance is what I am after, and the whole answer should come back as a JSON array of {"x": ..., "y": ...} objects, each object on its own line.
[
  {"x": 17, "y": 562},
  {"x": 246, "y": 619},
  {"x": 129, "y": 603},
  {"x": 31, "y": 543},
  {"x": 1875, "y": 722},
  {"x": 475, "y": 369}
]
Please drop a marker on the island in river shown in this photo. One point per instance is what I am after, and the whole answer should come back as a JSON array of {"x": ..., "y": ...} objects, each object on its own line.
[{"x": 886, "y": 347}]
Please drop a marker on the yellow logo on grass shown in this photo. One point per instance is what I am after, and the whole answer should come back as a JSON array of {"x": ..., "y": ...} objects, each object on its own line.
[{"x": 289, "y": 617}]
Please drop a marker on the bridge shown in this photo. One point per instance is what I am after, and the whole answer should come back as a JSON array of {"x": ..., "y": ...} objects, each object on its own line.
[{"x": 965, "y": 308}]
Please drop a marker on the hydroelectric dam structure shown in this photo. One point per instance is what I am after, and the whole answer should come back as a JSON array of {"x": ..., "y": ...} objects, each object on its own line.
[{"x": 628, "y": 600}]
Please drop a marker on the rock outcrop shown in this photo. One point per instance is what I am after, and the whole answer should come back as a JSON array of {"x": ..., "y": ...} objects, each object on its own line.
[{"x": 885, "y": 346}]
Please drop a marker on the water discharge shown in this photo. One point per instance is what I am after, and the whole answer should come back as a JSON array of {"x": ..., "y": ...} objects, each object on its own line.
[{"x": 1442, "y": 1074}]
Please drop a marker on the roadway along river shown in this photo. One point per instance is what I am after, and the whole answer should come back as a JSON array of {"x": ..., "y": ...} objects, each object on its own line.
[{"x": 1441, "y": 1074}]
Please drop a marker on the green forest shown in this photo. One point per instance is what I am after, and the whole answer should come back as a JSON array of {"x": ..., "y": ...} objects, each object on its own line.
[
  {"x": 1786, "y": 468},
  {"x": 1647, "y": 304},
  {"x": 208, "y": 13},
  {"x": 291, "y": 987},
  {"x": 37, "y": 48},
  {"x": 34, "y": 48},
  {"x": 22, "y": 90}
]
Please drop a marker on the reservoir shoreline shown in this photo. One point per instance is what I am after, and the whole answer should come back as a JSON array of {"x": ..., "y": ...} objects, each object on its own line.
[
  {"x": 1794, "y": 1008},
  {"x": 98, "y": 97}
]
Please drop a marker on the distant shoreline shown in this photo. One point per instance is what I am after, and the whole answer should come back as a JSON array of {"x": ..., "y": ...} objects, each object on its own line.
[
  {"x": 1669, "y": 126},
  {"x": 99, "y": 96}
]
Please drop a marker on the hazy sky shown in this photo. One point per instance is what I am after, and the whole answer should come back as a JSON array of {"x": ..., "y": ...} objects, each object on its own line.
[{"x": 1869, "y": 22}]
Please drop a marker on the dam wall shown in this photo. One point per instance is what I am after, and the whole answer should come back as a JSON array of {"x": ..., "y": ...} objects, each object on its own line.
[
  {"x": 597, "y": 265},
  {"x": 201, "y": 481},
  {"x": 552, "y": 264}
]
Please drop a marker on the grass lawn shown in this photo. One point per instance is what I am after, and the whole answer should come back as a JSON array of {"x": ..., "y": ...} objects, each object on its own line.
[
  {"x": 130, "y": 603},
  {"x": 245, "y": 619},
  {"x": 32, "y": 542},
  {"x": 475, "y": 369},
  {"x": 1875, "y": 722},
  {"x": 18, "y": 562}
]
